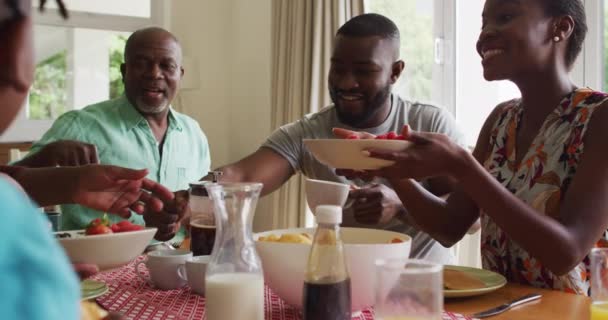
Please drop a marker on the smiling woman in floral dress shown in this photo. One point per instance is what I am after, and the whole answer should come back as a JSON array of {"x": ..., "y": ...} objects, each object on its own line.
[{"x": 538, "y": 176}]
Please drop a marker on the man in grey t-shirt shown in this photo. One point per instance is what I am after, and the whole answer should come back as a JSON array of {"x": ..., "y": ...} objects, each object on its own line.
[
  {"x": 287, "y": 142},
  {"x": 364, "y": 66}
]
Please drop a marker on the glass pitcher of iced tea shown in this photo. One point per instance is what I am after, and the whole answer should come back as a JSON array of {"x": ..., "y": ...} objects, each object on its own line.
[{"x": 202, "y": 219}]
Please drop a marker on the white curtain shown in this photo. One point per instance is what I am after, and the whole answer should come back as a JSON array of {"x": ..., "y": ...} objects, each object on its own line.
[{"x": 303, "y": 32}]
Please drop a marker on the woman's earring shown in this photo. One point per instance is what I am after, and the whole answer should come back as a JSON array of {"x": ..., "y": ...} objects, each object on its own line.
[{"x": 556, "y": 39}]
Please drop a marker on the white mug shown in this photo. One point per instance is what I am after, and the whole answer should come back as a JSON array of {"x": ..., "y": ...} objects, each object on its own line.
[
  {"x": 163, "y": 267},
  {"x": 194, "y": 273}
]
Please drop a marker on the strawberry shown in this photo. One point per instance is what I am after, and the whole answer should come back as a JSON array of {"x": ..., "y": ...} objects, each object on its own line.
[
  {"x": 132, "y": 227},
  {"x": 99, "y": 226},
  {"x": 98, "y": 229},
  {"x": 125, "y": 225},
  {"x": 381, "y": 137},
  {"x": 391, "y": 135}
]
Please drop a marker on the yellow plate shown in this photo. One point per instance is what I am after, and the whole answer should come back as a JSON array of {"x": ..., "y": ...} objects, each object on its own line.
[
  {"x": 90, "y": 289},
  {"x": 492, "y": 280}
]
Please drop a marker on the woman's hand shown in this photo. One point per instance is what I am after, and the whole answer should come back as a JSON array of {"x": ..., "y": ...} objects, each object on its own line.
[
  {"x": 431, "y": 155},
  {"x": 117, "y": 190},
  {"x": 349, "y": 173}
]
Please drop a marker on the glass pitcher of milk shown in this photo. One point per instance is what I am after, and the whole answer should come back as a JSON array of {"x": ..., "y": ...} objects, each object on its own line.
[{"x": 234, "y": 275}]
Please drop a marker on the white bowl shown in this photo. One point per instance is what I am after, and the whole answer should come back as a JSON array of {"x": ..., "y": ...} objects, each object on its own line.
[
  {"x": 348, "y": 154},
  {"x": 284, "y": 263},
  {"x": 107, "y": 251},
  {"x": 321, "y": 192}
]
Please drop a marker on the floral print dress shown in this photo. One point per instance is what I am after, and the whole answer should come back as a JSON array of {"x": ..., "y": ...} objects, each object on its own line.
[{"x": 541, "y": 180}]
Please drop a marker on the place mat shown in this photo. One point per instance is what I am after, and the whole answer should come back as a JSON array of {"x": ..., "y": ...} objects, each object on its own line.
[{"x": 135, "y": 299}]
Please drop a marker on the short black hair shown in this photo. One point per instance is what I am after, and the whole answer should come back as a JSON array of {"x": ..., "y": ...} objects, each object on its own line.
[
  {"x": 576, "y": 10},
  {"x": 370, "y": 24}
]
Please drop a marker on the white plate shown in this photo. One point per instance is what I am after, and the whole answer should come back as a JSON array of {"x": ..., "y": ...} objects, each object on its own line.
[
  {"x": 349, "y": 154},
  {"x": 492, "y": 280},
  {"x": 91, "y": 289}
]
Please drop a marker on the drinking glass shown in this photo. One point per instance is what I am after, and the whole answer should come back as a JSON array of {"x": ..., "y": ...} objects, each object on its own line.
[
  {"x": 202, "y": 219},
  {"x": 599, "y": 284},
  {"x": 408, "y": 289}
]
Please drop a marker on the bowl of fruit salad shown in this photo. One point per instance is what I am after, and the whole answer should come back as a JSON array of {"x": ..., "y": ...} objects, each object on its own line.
[
  {"x": 350, "y": 153},
  {"x": 284, "y": 255},
  {"x": 104, "y": 244}
]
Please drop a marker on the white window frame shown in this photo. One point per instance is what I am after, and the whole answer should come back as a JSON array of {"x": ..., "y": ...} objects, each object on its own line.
[
  {"x": 589, "y": 69},
  {"x": 24, "y": 129},
  {"x": 444, "y": 69}
]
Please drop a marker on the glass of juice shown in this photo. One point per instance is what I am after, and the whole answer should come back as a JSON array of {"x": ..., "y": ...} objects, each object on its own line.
[
  {"x": 599, "y": 284},
  {"x": 408, "y": 289}
]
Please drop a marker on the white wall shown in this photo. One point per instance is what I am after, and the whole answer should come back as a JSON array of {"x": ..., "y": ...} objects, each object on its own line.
[{"x": 227, "y": 46}]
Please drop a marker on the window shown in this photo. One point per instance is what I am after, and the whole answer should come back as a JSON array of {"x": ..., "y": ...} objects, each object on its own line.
[
  {"x": 131, "y": 8},
  {"x": 441, "y": 65},
  {"x": 591, "y": 68},
  {"x": 604, "y": 46},
  {"x": 475, "y": 97},
  {"x": 427, "y": 33},
  {"x": 78, "y": 60},
  {"x": 72, "y": 72}
]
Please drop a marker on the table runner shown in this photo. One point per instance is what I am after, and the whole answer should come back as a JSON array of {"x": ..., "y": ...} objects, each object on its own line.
[{"x": 135, "y": 299}]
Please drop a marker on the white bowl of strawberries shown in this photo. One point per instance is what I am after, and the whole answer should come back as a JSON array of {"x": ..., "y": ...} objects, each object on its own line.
[
  {"x": 349, "y": 153},
  {"x": 104, "y": 244}
]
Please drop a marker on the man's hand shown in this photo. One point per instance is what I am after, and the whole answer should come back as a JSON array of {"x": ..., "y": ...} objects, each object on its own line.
[
  {"x": 62, "y": 153},
  {"x": 375, "y": 204},
  {"x": 117, "y": 190},
  {"x": 170, "y": 218}
]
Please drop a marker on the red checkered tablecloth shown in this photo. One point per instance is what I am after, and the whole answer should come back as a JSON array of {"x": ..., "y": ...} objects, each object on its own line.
[{"x": 134, "y": 298}]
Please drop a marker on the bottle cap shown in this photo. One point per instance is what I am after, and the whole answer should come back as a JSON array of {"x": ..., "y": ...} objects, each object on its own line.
[{"x": 329, "y": 214}]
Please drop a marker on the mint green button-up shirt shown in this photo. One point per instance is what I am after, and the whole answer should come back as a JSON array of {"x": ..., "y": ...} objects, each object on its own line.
[{"x": 124, "y": 138}]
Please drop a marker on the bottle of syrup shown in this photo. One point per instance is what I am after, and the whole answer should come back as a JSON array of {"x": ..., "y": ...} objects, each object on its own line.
[{"x": 327, "y": 293}]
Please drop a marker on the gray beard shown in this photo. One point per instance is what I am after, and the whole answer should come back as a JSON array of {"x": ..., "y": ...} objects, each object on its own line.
[{"x": 145, "y": 109}]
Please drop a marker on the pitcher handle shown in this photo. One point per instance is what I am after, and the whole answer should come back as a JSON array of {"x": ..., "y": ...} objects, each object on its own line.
[{"x": 147, "y": 280}]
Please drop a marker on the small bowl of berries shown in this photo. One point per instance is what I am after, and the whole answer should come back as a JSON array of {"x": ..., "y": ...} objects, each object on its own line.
[
  {"x": 350, "y": 153},
  {"x": 104, "y": 244}
]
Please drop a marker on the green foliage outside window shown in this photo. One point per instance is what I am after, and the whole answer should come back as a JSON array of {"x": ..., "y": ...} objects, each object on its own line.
[
  {"x": 117, "y": 48},
  {"x": 416, "y": 45},
  {"x": 48, "y": 96}
]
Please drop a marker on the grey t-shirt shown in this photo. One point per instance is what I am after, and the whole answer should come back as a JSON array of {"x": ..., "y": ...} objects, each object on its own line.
[{"x": 287, "y": 141}]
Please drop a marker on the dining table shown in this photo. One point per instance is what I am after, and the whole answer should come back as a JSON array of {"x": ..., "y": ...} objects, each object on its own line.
[
  {"x": 552, "y": 305},
  {"x": 129, "y": 295}
]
